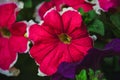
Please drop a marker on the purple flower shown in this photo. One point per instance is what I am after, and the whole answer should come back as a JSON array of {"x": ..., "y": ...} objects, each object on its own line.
[{"x": 91, "y": 60}]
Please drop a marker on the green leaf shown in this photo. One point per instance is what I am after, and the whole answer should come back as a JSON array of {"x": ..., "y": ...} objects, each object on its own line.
[
  {"x": 28, "y": 3},
  {"x": 115, "y": 19},
  {"x": 82, "y": 75},
  {"x": 97, "y": 27},
  {"x": 92, "y": 14},
  {"x": 89, "y": 16},
  {"x": 81, "y": 11},
  {"x": 91, "y": 74}
]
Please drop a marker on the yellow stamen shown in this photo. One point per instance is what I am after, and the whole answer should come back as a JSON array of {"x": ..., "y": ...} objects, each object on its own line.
[
  {"x": 64, "y": 38},
  {"x": 25, "y": 35}
]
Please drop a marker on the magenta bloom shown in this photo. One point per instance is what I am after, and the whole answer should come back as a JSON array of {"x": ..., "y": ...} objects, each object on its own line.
[
  {"x": 59, "y": 4},
  {"x": 7, "y": 14},
  {"x": 107, "y": 4},
  {"x": 12, "y": 38},
  {"x": 104, "y": 5},
  {"x": 60, "y": 38}
]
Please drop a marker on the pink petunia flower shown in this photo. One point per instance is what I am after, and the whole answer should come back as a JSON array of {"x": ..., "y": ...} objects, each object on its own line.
[
  {"x": 104, "y": 5},
  {"x": 12, "y": 38},
  {"x": 62, "y": 37},
  {"x": 59, "y": 4}
]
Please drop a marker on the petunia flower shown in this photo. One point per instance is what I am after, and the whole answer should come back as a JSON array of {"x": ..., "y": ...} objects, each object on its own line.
[
  {"x": 91, "y": 60},
  {"x": 61, "y": 37},
  {"x": 104, "y": 5},
  {"x": 60, "y": 4},
  {"x": 12, "y": 40}
]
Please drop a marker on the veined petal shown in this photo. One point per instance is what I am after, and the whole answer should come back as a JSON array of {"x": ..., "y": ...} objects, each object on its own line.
[
  {"x": 18, "y": 28},
  {"x": 51, "y": 62},
  {"x": 40, "y": 33},
  {"x": 71, "y": 20},
  {"x": 84, "y": 41},
  {"x": 7, "y": 56},
  {"x": 53, "y": 19},
  {"x": 7, "y": 14},
  {"x": 82, "y": 45},
  {"x": 73, "y": 24},
  {"x": 18, "y": 43},
  {"x": 41, "y": 52}
]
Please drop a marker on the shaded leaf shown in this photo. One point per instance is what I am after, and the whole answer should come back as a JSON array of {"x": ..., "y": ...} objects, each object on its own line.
[
  {"x": 115, "y": 19},
  {"x": 97, "y": 27},
  {"x": 28, "y": 3}
]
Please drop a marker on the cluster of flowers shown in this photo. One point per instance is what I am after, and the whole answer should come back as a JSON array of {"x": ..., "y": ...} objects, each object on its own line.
[{"x": 61, "y": 42}]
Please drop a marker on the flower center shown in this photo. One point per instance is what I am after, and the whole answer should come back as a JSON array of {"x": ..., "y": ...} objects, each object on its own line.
[
  {"x": 5, "y": 32},
  {"x": 64, "y": 38}
]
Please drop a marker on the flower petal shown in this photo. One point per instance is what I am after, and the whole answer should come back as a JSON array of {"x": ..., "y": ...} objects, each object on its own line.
[
  {"x": 53, "y": 19},
  {"x": 85, "y": 6},
  {"x": 18, "y": 43},
  {"x": 39, "y": 52},
  {"x": 79, "y": 4},
  {"x": 50, "y": 55},
  {"x": 40, "y": 33},
  {"x": 79, "y": 48},
  {"x": 84, "y": 41},
  {"x": 7, "y": 14},
  {"x": 65, "y": 71},
  {"x": 114, "y": 45},
  {"x": 18, "y": 28},
  {"x": 7, "y": 56},
  {"x": 106, "y": 4},
  {"x": 73, "y": 24},
  {"x": 51, "y": 62},
  {"x": 43, "y": 8}
]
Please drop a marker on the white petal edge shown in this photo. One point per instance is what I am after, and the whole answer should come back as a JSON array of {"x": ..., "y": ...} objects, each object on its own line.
[
  {"x": 25, "y": 22},
  {"x": 49, "y": 11},
  {"x": 20, "y": 5},
  {"x": 91, "y": 2},
  {"x": 97, "y": 7},
  {"x": 36, "y": 14},
  {"x": 67, "y": 9},
  {"x": 94, "y": 37},
  {"x": 6, "y": 72},
  {"x": 28, "y": 47},
  {"x": 12, "y": 64},
  {"x": 29, "y": 24},
  {"x": 40, "y": 73}
]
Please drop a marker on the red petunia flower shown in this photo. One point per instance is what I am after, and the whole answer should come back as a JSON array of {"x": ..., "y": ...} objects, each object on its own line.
[
  {"x": 12, "y": 38},
  {"x": 59, "y": 4},
  {"x": 60, "y": 38}
]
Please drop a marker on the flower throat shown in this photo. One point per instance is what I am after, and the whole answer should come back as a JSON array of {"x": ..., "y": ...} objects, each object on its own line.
[
  {"x": 64, "y": 38},
  {"x": 5, "y": 32}
]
